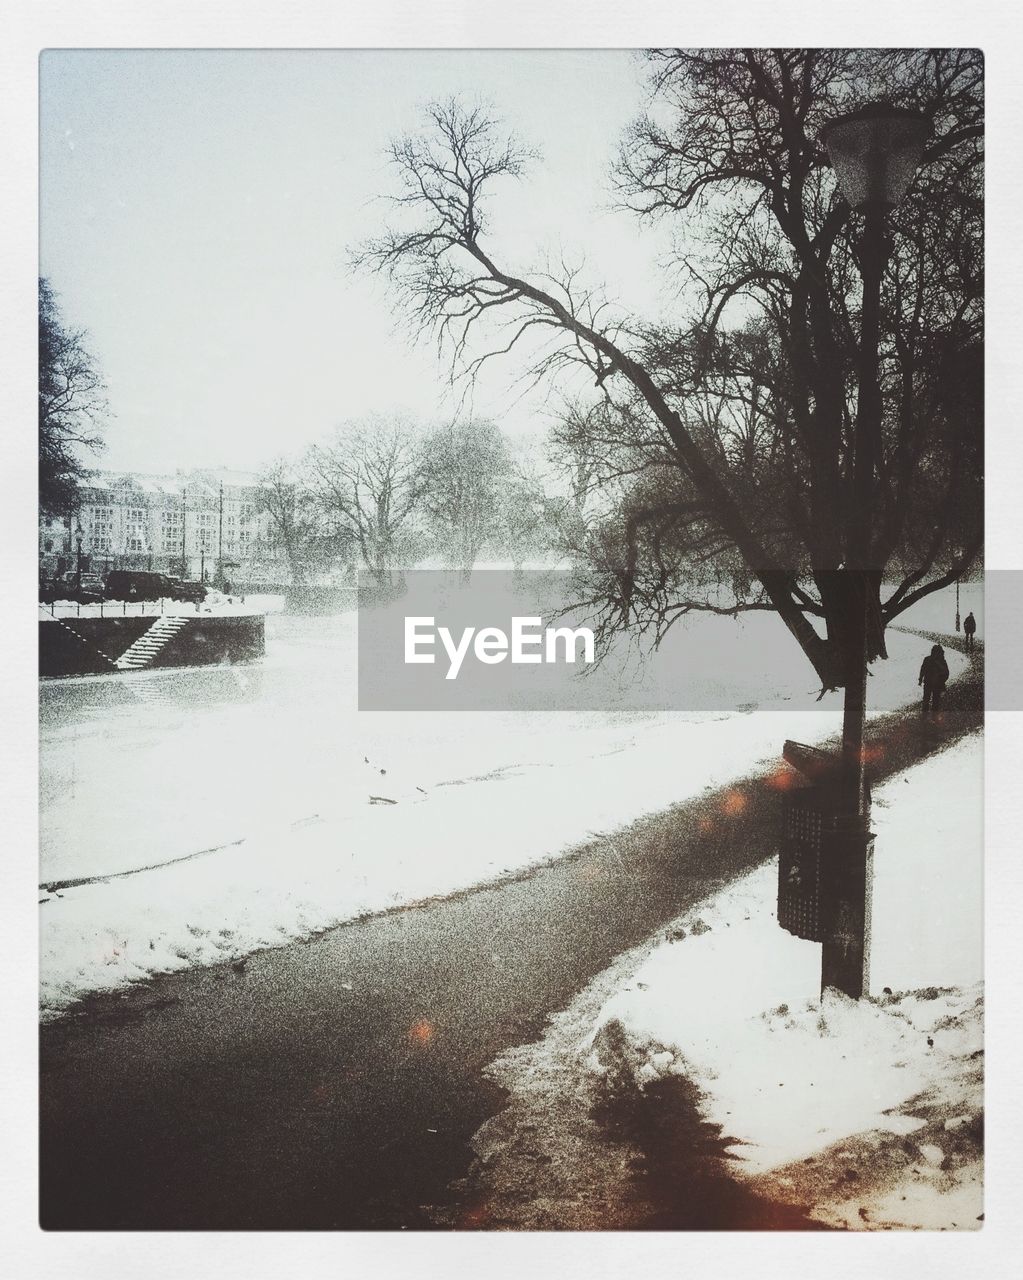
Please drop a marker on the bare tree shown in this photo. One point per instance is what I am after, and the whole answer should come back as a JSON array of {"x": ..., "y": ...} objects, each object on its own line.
[
  {"x": 730, "y": 154},
  {"x": 531, "y": 509},
  {"x": 579, "y": 446},
  {"x": 465, "y": 466},
  {"x": 72, "y": 407},
  {"x": 368, "y": 482},
  {"x": 295, "y": 523}
]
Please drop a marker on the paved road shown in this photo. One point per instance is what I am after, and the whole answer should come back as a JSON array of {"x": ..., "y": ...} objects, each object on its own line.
[{"x": 335, "y": 1084}]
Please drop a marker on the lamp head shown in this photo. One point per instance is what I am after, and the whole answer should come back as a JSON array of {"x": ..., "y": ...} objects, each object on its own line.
[{"x": 875, "y": 152}]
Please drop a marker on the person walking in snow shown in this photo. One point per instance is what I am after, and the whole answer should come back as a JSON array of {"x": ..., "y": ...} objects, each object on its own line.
[
  {"x": 969, "y": 630},
  {"x": 933, "y": 677}
]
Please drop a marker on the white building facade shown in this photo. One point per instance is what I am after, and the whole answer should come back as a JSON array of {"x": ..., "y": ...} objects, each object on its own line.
[{"x": 194, "y": 525}]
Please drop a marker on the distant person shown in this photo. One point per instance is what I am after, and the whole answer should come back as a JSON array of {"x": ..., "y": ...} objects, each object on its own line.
[
  {"x": 969, "y": 629},
  {"x": 933, "y": 677}
]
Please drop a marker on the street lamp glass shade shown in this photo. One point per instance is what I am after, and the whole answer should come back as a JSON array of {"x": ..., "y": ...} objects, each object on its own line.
[{"x": 875, "y": 153}]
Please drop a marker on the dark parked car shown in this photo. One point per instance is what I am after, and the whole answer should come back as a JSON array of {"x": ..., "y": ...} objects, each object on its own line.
[
  {"x": 86, "y": 587},
  {"x": 130, "y": 584},
  {"x": 89, "y": 589},
  {"x": 194, "y": 592}
]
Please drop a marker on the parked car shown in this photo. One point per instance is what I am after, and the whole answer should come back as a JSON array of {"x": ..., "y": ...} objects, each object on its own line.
[
  {"x": 86, "y": 588},
  {"x": 132, "y": 584},
  {"x": 90, "y": 588},
  {"x": 194, "y": 592}
]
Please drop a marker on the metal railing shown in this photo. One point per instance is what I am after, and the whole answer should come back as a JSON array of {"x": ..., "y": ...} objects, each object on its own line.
[{"x": 138, "y": 609}]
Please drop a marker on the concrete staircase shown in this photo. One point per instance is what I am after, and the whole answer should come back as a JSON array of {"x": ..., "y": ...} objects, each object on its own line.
[{"x": 145, "y": 649}]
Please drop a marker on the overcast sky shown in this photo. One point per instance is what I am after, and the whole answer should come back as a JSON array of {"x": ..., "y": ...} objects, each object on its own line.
[{"x": 197, "y": 209}]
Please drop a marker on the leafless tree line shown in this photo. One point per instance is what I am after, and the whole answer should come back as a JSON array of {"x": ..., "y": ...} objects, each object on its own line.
[{"x": 385, "y": 493}]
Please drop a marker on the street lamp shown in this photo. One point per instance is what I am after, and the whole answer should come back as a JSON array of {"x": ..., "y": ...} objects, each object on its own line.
[
  {"x": 184, "y": 532},
  {"x": 79, "y": 533},
  {"x": 874, "y": 152}
]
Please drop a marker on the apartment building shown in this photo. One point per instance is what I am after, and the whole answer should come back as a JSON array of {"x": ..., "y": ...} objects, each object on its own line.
[{"x": 183, "y": 524}]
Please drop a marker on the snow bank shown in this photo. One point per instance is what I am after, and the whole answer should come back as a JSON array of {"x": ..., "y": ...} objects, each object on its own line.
[
  {"x": 352, "y": 851},
  {"x": 732, "y": 1003}
]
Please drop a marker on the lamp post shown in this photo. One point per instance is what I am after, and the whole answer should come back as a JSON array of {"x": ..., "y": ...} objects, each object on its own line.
[
  {"x": 220, "y": 543},
  {"x": 184, "y": 533},
  {"x": 875, "y": 153}
]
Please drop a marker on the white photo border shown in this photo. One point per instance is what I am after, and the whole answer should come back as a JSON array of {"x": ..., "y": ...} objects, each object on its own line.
[{"x": 570, "y": 24}]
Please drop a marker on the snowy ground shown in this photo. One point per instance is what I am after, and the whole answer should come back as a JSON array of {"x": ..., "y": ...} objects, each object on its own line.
[
  {"x": 868, "y": 1113},
  {"x": 188, "y": 816}
]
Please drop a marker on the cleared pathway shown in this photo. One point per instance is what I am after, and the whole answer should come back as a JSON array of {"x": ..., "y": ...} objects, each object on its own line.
[{"x": 336, "y": 1083}]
